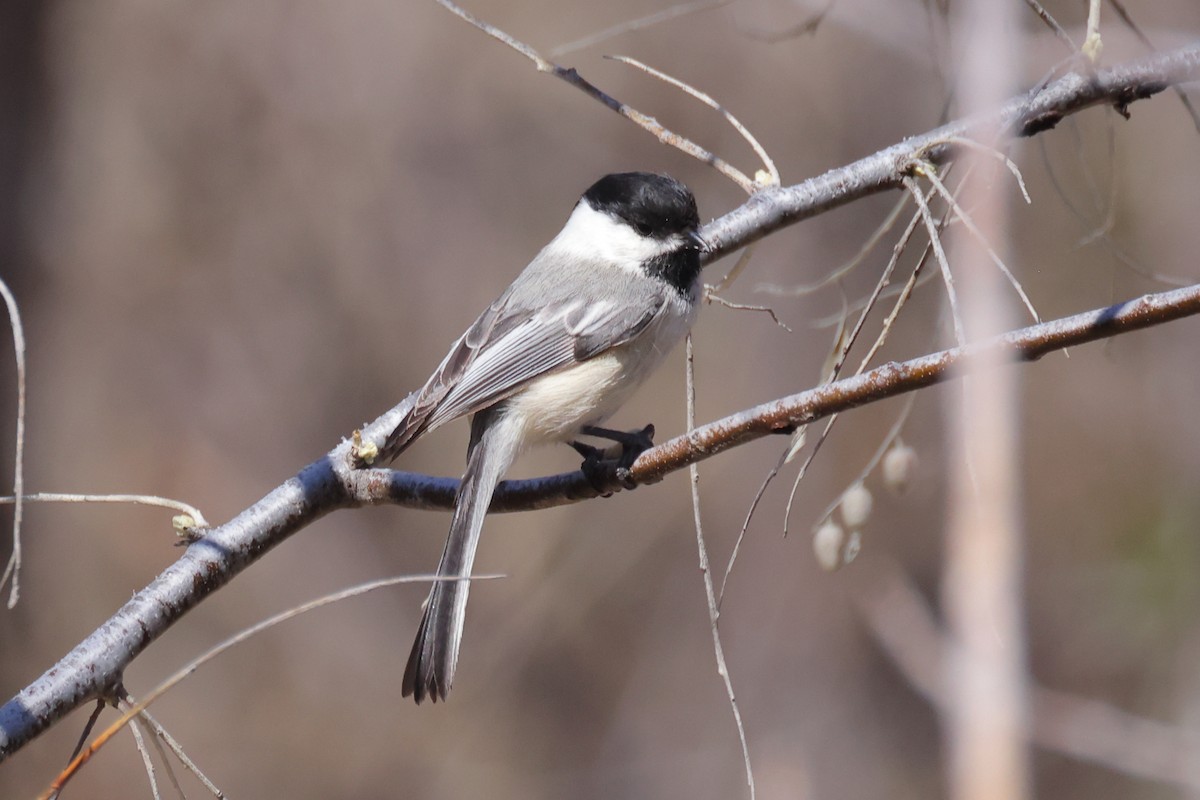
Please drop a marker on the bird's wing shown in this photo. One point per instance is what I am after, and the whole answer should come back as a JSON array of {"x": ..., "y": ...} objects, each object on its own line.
[{"x": 508, "y": 347}]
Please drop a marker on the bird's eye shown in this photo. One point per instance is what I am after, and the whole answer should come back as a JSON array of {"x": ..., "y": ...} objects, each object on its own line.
[{"x": 643, "y": 228}]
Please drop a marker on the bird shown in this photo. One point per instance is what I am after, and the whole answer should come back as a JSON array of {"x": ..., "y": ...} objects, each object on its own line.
[{"x": 557, "y": 353}]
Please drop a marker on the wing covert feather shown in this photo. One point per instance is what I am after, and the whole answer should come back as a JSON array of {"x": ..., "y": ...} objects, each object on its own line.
[{"x": 508, "y": 346}]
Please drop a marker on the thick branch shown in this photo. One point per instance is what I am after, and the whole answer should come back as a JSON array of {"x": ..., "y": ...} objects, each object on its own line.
[
  {"x": 771, "y": 209},
  {"x": 94, "y": 668},
  {"x": 889, "y": 380}
]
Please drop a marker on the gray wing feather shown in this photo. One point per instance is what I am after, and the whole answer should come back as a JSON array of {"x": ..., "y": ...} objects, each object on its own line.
[
  {"x": 589, "y": 344},
  {"x": 509, "y": 346}
]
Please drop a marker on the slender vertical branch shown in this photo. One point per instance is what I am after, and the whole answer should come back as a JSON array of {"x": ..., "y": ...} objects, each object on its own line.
[{"x": 985, "y": 722}]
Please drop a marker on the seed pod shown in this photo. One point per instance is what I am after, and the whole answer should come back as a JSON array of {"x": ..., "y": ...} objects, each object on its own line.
[
  {"x": 856, "y": 506},
  {"x": 827, "y": 545},
  {"x": 898, "y": 466}
]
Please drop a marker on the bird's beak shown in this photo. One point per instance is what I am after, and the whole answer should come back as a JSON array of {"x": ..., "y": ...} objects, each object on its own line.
[{"x": 695, "y": 238}]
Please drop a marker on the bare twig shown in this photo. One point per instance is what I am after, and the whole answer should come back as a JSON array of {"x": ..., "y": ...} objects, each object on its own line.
[
  {"x": 13, "y": 568},
  {"x": 935, "y": 242},
  {"x": 835, "y": 370},
  {"x": 1028, "y": 115},
  {"x": 804, "y": 289},
  {"x": 136, "y": 708},
  {"x": 1094, "y": 233},
  {"x": 1052, "y": 24},
  {"x": 703, "y": 97},
  {"x": 1119, "y": 7},
  {"x": 571, "y": 76},
  {"x": 147, "y": 761},
  {"x": 930, "y": 174},
  {"x": 914, "y": 278},
  {"x": 667, "y": 14},
  {"x": 129, "y": 499},
  {"x": 705, "y": 570},
  {"x": 735, "y": 272},
  {"x": 1092, "y": 43},
  {"x": 902, "y": 293},
  {"x": 1011, "y": 165},
  {"x": 891, "y": 436},
  {"x": 710, "y": 297},
  {"x": 737, "y": 544},
  {"x": 88, "y": 726},
  {"x": 179, "y": 752}
]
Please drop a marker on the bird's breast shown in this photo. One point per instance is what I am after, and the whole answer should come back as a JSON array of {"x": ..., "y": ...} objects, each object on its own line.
[{"x": 555, "y": 406}]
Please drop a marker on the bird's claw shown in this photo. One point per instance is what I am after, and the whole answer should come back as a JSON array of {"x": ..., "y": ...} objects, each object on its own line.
[
  {"x": 599, "y": 471},
  {"x": 593, "y": 468}
]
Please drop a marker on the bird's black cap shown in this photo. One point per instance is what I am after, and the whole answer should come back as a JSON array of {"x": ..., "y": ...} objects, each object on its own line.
[
  {"x": 655, "y": 205},
  {"x": 659, "y": 207}
]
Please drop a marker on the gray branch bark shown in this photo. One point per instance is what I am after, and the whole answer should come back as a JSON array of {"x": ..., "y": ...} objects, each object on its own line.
[{"x": 94, "y": 667}]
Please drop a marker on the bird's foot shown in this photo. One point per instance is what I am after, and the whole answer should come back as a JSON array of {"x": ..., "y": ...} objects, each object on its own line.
[{"x": 596, "y": 464}]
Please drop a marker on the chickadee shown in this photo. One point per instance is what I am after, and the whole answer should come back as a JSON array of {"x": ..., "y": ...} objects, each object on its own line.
[{"x": 565, "y": 345}]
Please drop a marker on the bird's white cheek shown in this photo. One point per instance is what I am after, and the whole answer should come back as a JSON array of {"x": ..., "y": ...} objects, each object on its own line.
[{"x": 592, "y": 235}]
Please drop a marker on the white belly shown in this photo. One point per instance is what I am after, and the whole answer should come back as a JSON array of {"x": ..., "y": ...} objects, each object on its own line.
[{"x": 556, "y": 406}]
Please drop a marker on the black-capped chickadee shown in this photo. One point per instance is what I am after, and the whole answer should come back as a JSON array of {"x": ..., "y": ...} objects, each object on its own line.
[{"x": 564, "y": 346}]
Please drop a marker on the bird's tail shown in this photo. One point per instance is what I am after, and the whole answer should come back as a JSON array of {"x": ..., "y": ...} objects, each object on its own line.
[{"x": 434, "y": 656}]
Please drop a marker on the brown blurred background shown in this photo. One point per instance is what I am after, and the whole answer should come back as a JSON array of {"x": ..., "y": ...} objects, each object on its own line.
[{"x": 239, "y": 230}]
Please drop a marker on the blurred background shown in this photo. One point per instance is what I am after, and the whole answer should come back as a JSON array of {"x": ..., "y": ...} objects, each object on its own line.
[{"x": 237, "y": 231}]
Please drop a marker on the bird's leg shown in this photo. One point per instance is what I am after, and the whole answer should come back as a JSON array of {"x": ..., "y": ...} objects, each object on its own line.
[
  {"x": 633, "y": 444},
  {"x": 592, "y": 466}
]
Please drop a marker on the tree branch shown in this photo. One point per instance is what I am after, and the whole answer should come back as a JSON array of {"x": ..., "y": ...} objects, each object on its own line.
[
  {"x": 94, "y": 667},
  {"x": 771, "y": 209}
]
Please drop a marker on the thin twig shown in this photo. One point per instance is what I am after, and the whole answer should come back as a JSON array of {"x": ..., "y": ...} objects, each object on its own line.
[
  {"x": 245, "y": 635},
  {"x": 180, "y": 754},
  {"x": 1052, "y": 23},
  {"x": 891, "y": 436},
  {"x": 929, "y": 172},
  {"x": 804, "y": 289},
  {"x": 88, "y": 726},
  {"x": 738, "y": 267},
  {"x": 1188, "y": 106},
  {"x": 737, "y": 544},
  {"x": 709, "y": 594},
  {"x": 13, "y": 568},
  {"x": 897, "y": 251},
  {"x": 1092, "y": 43},
  {"x": 935, "y": 240},
  {"x": 914, "y": 278},
  {"x": 147, "y": 762},
  {"x": 999, "y": 156},
  {"x": 673, "y": 12},
  {"x": 630, "y": 113},
  {"x": 133, "y": 499},
  {"x": 710, "y": 297},
  {"x": 830, "y": 320},
  {"x": 704, "y": 97},
  {"x": 1094, "y": 233},
  {"x": 1079, "y": 152}
]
